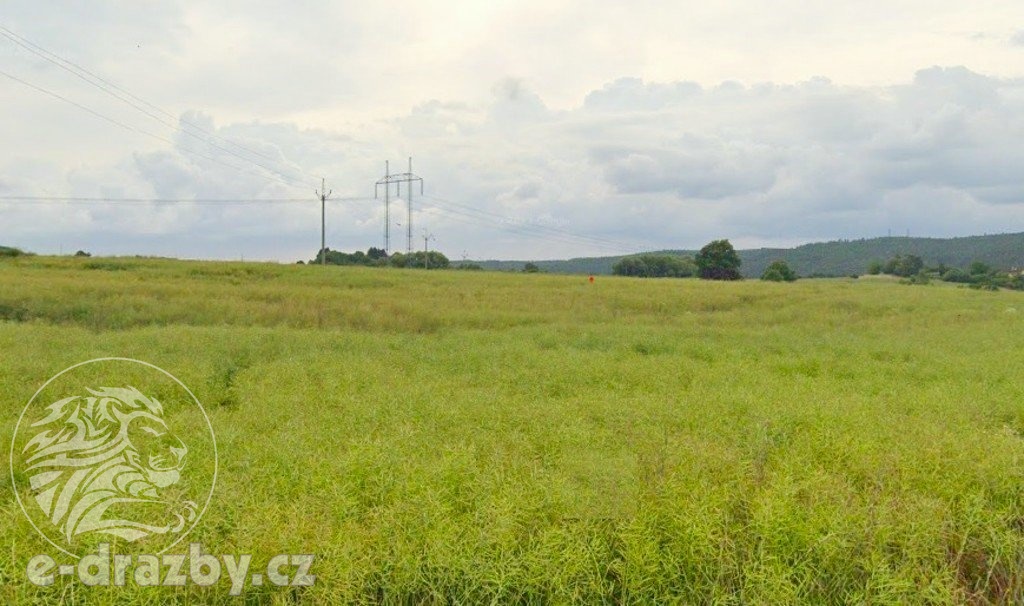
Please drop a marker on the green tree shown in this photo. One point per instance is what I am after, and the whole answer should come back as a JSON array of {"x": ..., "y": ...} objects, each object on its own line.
[
  {"x": 655, "y": 266},
  {"x": 417, "y": 260},
  {"x": 779, "y": 271},
  {"x": 956, "y": 275},
  {"x": 875, "y": 268},
  {"x": 979, "y": 269},
  {"x": 718, "y": 261},
  {"x": 903, "y": 266},
  {"x": 531, "y": 268}
]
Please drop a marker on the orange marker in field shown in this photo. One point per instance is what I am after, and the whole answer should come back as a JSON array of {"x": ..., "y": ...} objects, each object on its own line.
[{"x": 591, "y": 279}]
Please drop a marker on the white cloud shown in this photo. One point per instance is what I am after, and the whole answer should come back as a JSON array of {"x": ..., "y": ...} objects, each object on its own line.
[{"x": 720, "y": 126}]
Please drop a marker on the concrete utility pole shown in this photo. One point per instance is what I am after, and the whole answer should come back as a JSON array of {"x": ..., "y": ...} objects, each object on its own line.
[
  {"x": 323, "y": 194},
  {"x": 426, "y": 252},
  {"x": 397, "y": 179},
  {"x": 387, "y": 208}
]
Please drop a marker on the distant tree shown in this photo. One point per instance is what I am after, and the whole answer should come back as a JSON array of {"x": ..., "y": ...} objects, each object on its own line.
[
  {"x": 655, "y": 266},
  {"x": 469, "y": 266},
  {"x": 417, "y": 260},
  {"x": 979, "y": 269},
  {"x": 718, "y": 261},
  {"x": 531, "y": 268},
  {"x": 875, "y": 268},
  {"x": 437, "y": 260},
  {"x": 956, "y": 275},
  {"x": 397, "y": 260},
  {"x": 903, "y": 266},
  {"x": 82, "y": 253},
  {"x": 372, "y": 257},
  {"x": 779, "y": 271},
  {"x": 9, "y": 251}
]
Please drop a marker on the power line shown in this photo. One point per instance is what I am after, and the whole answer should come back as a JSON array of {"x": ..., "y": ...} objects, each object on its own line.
[
  {"x": 130, "y": 99},
  {"x": 554, "y": 230},
  {"x": 554, "y": 233},
  {"x": 135, "y": 129},
  {"x": 543, "y": 228},
  {"x": 524, "y": 231},
  {"x": 200, "y": 201}
]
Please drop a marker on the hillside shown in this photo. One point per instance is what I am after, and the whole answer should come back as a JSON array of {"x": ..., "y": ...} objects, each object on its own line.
[{"x": 838, "y": 258}]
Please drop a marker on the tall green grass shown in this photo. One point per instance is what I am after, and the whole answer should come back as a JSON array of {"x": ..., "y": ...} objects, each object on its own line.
[{"x": 467, "y": 437}]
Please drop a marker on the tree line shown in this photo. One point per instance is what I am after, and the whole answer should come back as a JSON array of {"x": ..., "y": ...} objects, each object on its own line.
[
  {"x": 378, "y": 257},
  {"x": 980, "y": 275},
  {"x": 718, "y": 260}
]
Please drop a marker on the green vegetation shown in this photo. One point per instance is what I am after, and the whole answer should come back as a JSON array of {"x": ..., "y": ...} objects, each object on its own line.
[
  {"x": 979, "y": 275},
  {"x": 779, "y": 272},
  {"x": 9, "y": 251},
  {"x": 655, "y": 266},
  {"x": 531, "y": 268},
  {"x": 419, "y": 260},
  {"x": 480, "y": 437},
  {"x": 377, "y": 257},
  {"x": 833, "y": 259},
  {"x": 718, "y": 261},
  {"x": 372, "y": 257},
  {"x": 903, "y": 266}
]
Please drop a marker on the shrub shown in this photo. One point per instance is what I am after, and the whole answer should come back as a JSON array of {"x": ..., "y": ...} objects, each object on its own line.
[
  {"x": 655, "y": 266},
  {"x": 979, "y": 269},
  {"x": 918, "y": 278},
  {"x": 432, "y": 260},
  {"x": 778, "y": 271},
  {"x": 903, "y": 266},
  {"x": 372, "y": 257},
  {"x": 956, "y": 275}
]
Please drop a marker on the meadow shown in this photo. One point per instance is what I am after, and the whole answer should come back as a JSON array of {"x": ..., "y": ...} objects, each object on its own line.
[{"x": 476, "y": 437}]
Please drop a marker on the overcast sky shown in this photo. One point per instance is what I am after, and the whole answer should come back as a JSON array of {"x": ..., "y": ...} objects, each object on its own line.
[{"x": 542, "y": 129}]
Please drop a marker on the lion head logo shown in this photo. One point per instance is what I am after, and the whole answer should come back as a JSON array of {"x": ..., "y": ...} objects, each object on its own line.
[{"x": 100, "y": 457}]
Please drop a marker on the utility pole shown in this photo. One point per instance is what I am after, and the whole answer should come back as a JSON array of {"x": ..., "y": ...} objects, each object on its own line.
[
  {"x": 323, "y": 194},
  {"x": 408, "y": 223},
  {"x": 397, "y": 178},
  {"x": 426, "y": 252}
]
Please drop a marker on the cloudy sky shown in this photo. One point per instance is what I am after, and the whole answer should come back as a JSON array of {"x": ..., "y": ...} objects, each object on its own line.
[{"x": 542, "y": 128}]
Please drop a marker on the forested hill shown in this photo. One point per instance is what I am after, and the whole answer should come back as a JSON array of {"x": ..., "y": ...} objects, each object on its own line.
[{"x": 839, "y": 258}]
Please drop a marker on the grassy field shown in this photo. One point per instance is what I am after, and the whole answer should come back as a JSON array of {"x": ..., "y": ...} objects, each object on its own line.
[{"x": 466, "y": 437}]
